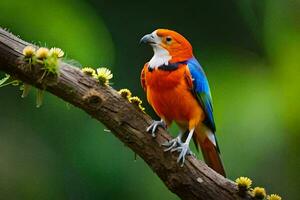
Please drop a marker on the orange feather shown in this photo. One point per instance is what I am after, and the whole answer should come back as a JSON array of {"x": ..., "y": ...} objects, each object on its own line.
[{"x": 169, "y": 93}]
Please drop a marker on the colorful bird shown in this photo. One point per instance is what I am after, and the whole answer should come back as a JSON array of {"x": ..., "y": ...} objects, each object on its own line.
[{"x": 178, "y": 90}]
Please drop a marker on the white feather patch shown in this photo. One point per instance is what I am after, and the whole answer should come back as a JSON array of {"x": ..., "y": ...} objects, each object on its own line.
[
  {"x": 161, "y": 56},
  {"x": 211, "y": 137}
]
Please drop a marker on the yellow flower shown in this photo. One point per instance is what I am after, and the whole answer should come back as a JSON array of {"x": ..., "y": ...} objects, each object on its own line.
[
  {"x": 141, "y": 108},
  {"x": 138, "y": 102},
  {"x": 259, "y": 193},
  {"x": 243, "y": 183},
  {"x": 42, "y": 53},
  {"x": 125, "y": 93},
  {"x": 56, "y": 52},
  {"x": 89, "y": 71},
  {"x": 29, "y": 51},
  {"x": 135, "y": 100},
  {"x": 104, "y": 75},
  {"x": 274, "y": 197}
]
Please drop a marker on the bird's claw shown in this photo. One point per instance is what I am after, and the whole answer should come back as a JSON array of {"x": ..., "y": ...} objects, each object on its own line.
[
  {"x": 155, "y": 124},
  {"x": 172, "y": 144},
  {"x": 184, "y": 150}
]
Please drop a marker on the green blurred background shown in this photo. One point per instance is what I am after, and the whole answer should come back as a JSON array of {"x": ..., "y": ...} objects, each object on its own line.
[{"x": 249, "y": 49}]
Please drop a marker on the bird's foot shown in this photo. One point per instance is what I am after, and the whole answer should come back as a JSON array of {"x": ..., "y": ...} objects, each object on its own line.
[
  {"x": 172, "y": 144},
  {"x": 184, "y": 150},
  {"x": 155, "y": 124}
]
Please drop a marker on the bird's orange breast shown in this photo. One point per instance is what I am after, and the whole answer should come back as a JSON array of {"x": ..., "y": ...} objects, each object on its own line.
[{"x": 170, "y": 95}]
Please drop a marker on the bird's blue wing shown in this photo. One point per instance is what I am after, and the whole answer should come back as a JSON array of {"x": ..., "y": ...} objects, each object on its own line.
[{"x": 202, "y": 92}]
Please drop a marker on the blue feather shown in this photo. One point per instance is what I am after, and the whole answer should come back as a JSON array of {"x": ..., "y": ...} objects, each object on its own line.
[{"x": 202, "y": 91}]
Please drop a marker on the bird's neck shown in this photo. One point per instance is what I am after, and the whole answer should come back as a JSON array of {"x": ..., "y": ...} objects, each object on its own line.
[
  {"x": 181, "y": 56},
  {"x": 161, "y": 57}
]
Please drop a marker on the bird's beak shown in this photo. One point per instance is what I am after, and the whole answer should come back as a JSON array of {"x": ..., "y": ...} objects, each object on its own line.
[{"x": 148, "y": 39}]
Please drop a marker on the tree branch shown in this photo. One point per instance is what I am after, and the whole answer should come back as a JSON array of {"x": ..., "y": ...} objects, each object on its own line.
[{"x": 193, "y": 181}]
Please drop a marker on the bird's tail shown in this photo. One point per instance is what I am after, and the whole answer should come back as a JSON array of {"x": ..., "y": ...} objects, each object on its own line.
[{"x": 211, "y": 154}]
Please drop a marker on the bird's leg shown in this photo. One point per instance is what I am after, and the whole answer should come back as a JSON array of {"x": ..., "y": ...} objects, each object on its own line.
[
  {"x": 152, "y": 128},
  {"x": 173, "y": 143},
  {"x": 184, "y": 148}
]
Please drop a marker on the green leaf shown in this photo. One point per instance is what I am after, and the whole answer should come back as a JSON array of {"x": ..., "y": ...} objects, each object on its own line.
[{"x": 2, "y": 81}]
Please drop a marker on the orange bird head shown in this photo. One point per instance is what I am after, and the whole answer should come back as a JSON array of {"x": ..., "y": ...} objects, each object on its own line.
[{"x": 168, "y": 46}]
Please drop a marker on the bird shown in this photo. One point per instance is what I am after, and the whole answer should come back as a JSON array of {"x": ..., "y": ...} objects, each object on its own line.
[{"x": 178, "y": 90}]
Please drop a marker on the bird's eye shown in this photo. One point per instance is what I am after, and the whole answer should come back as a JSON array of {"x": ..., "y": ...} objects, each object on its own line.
[{"x": 168, "y": 39}]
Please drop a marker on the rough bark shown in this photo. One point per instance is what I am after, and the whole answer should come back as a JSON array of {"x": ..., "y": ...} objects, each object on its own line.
[{"x": 193, "y": 181}]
